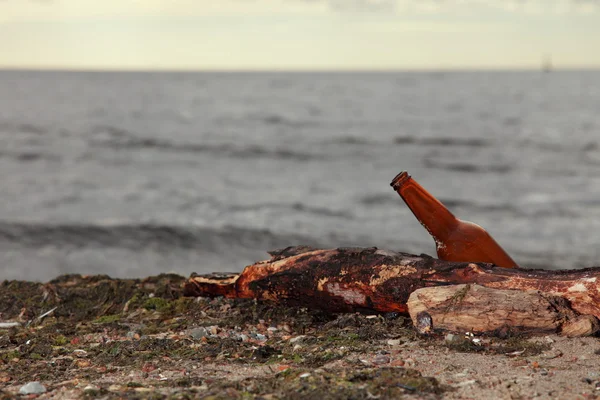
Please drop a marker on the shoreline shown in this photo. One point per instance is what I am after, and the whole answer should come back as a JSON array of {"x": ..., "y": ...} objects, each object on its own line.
[{"x": 139, "y": 338}]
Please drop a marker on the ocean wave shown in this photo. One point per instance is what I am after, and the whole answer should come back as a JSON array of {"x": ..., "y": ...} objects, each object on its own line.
[
  {"x": 21, "y": 128},
  {"x": 143, "y": 236},
  {"x": 442, "y": 141},
  {"x": 467, "y": 167},
  {"x": 350, "y": 140},
  {"x": 379, "y": 199},
  {"x": 320, "y": 211},
  {"x": 118, "y": 139},
  {"x": 28, "y": 156}
]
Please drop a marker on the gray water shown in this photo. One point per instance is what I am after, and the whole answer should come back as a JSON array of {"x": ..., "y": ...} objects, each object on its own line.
[{"x": 132, "y": 174}]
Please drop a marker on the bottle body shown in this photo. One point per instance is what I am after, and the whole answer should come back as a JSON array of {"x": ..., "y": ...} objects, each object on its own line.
[{"x": 455, "y": 240}]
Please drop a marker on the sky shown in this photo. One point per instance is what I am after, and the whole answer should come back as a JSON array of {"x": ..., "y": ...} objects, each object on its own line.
[{"x": 299, "y": 34}]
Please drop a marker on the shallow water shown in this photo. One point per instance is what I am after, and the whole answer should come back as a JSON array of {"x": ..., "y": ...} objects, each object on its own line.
[{"x": 131, "y": 174}]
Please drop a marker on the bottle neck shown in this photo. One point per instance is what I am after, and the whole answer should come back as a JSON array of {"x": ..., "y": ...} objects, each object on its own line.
[{"x": 430, "y": 212}]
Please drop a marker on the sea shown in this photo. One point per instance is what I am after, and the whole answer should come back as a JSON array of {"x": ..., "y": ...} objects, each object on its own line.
[{"x": 132, "y": 174}]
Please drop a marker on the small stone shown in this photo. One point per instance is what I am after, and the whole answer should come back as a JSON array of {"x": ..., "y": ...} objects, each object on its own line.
[
  {"x": 394, "y": 342},
  {"x": 114, "y": 388},
  {"x": 260, "y": 337},
  {"x": 243, "y": 337},
  {"x": 213, "y": 329},
  {"x": 198, "y": 333},
  {"x": 32, "y": 388},
  {"x": 381, "y": 359},
  {"x": 424, "y": 323},
  {"x": 304, "y": 375},
  {"x": 8, "y": 325},
  {"x": 467, "y": 383},
  {"x": 544, "y": 372},
  {"x": 297, "y": 339},
  {"x": 297, "y": 347},
  {"x": 91, "y": 388},
  {"x": 80, "y": 353},
  {"x": 83, "y": 363},
  {"x": 449, "y": 338},
  {"x": 272, "y": 329}
]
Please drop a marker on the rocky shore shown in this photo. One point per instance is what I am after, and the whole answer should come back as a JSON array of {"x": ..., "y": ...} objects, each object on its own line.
[{"x": 97, "y": 337}]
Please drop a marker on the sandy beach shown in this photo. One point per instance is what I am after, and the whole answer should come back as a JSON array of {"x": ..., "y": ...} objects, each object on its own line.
[{"x": 108, "y": 338}]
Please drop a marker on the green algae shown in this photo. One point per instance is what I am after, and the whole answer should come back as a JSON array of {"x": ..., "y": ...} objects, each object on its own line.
[{"x": 102, "y": 326}]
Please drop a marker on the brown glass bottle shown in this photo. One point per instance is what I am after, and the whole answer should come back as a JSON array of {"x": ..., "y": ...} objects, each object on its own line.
[{"x": 455, "y": 240}]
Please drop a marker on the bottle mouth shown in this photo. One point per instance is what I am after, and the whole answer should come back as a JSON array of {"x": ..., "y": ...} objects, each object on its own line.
[{"x": 399, "y": 180}]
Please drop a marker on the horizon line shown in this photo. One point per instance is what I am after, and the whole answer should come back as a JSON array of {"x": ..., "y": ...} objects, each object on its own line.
[{"x": 295, "y": 70}]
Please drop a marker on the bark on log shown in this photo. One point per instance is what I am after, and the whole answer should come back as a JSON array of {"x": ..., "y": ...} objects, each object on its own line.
[
  {"x": 479, "y": 309},
  {"x": 349, "y": 279}
]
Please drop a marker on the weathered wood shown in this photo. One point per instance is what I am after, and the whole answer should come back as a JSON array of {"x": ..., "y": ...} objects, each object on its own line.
[
  {"x": 479, "y": 309},
  {"x": 348, "y": 279}
]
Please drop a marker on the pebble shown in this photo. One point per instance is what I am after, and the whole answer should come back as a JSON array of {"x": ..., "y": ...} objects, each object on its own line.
[
  {"x": 424, "y": 323},
  {"x": 381, "y": 359},
  {"x": 32, "y": 388},
  {"x": 297, "y": 347},
  {"x": 394, "y": 342},
  {"x": 260, "y": 337},
  {"x": 450, "y": 337},
  {"x": 80, "y": 353},
  {"x": 297, "y": 339},
  {"x": 272, "y": 329},
  {"x": 133, "y": 335},
  {"x": 593, "y": 375},
  {"x": 7, "y": 325},
  {"x": 467, "y": 383},
  {"x": 304, "y": 375},
  {"x": 91, "y": 388},
  {"x": 198, "y": 333}
]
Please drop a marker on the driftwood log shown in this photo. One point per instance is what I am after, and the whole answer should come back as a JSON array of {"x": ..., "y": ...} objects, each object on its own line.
[{"x": 457, "y": 295}]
